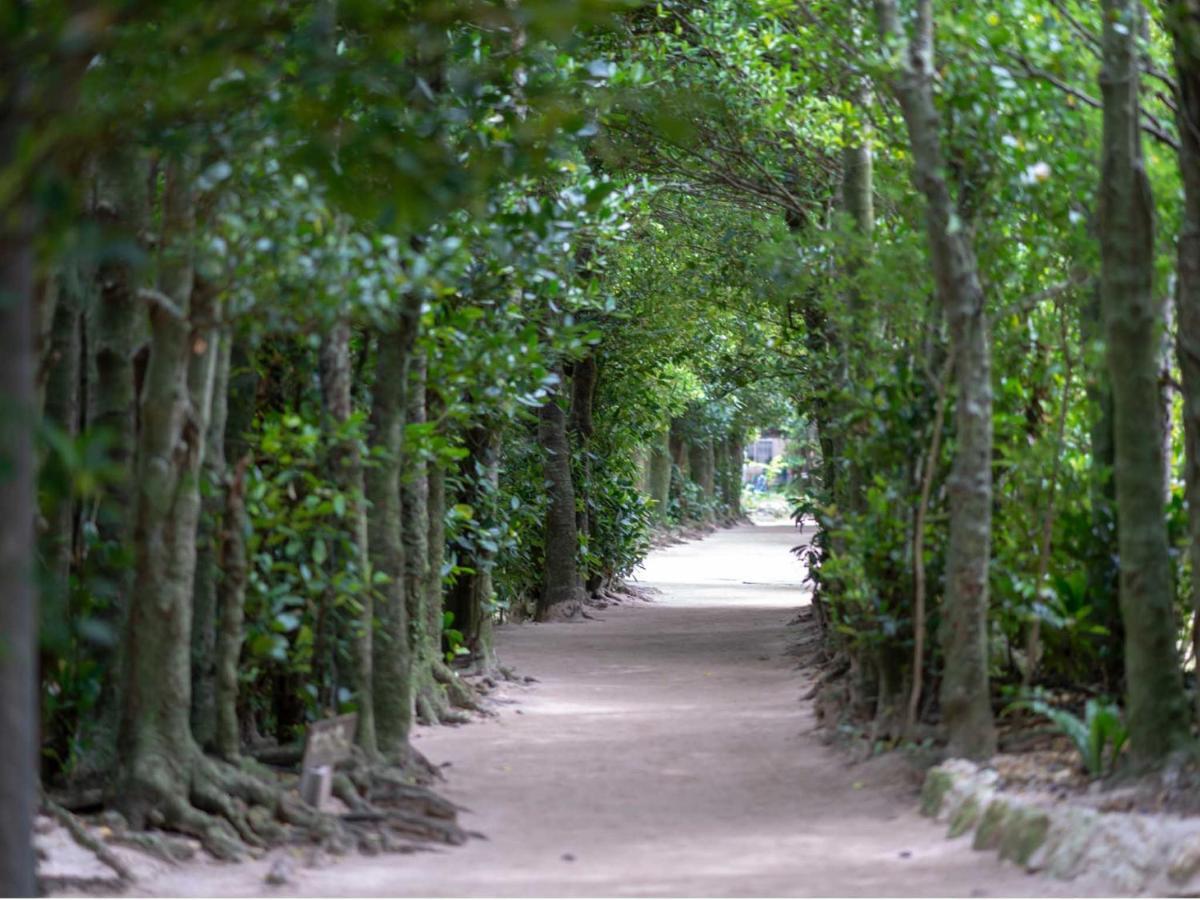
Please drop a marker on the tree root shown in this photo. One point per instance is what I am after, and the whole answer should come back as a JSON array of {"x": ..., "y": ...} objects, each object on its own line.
[
  {"x": 84, "y": 838},
  {"x": 242, "y": 808},
  {"x": 232, "y": 809},
  {"x": 434, "y": 706},
  {"x": 460, "y": 694},
  {"x": 386, "y": 807}
]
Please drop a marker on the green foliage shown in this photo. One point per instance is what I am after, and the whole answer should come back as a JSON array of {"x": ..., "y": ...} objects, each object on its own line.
[
  {"x": 1099, "y": 736},
  {"x": 303, "y": 560},
  {"x": 452, "y": 638}
]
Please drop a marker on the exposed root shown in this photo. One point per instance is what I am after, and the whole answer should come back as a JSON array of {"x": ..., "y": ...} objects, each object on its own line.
[
  {"x": 460, "y": 694},
  {"x": 387, "y": 809},
  {"x": 84, "y": 838},
  {"x": 428, "y": 709},
  {"x": 233, "y": 809},
  {"x": 242, "y": 808},
  {"x": 162, "y": 847}
]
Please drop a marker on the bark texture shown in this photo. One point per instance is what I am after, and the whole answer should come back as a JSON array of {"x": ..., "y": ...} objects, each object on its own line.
[
  {"x": 1183, "y": 19},
  {"x": 156, "y": 748},
  {"x": 660, "y": 478},
  {"x": 18, "y": 619},
  {"x": 116, "y": 329},
  {"x": 1133, "y": 321},
  {"x": 61, "y": 366},
  {"x": 210, "y": 371},
  {"x": 231, "y": 594},
  {"x": 965, "y": 697},
  {"x": 337, "y": 395},
  {"x": 560, "y": 586},
  {"x": 391, "y": 653}
]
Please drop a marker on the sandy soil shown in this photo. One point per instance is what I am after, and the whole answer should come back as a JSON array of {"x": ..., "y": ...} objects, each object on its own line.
[{"x": 663, "y": 751}]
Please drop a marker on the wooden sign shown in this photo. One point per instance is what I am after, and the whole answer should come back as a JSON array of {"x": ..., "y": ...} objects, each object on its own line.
[{"x": 329, "y": 741}]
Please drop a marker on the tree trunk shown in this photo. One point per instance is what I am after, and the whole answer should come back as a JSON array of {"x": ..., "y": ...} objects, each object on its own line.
[
  {"x": 660, "y": 478},
  {"x": 115, "y": 329},
  {"x": 580, "y": 428},
  {"x": 213, "y": 367},
  {"x": 156, "y": 748},
  {"x": 1183, "y": 19},
  {"x": 1102, "y": 560},
  {"x": 423, "y": 644},
  {"x": 858, "y": 203},
  {"x": 242, "y": 383},
  {"x": 391, "y": 657},
  {"x": 61, "y": 409},
  {"x": 18, "y": 616},
  {"x": 336, "y": 406},
  {"x": 470, "y": 598},
  {"x": 560, "y": 586},
  {"x": 1133, "y": 319},
  {"x": 701, "y": 464},
  {"x": 336, "y": 388},
  {"x": 965, "y": 696},
  {"x": 733, "y": 474}
]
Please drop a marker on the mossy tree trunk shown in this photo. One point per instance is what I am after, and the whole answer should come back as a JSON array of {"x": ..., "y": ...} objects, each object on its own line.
[
  {"x": 209, "y": 376},
  {"x": 158, "y": 755},
  {"x": 391, "y": 654},
  {"x": 1133, "y": 320},
  {"x": 1102, "y": 559},
  {"x": 116, "y": 330},
  {"x": 580, "y": 428},
  {"x": 425, "y": 643},
  {"x": 858, "y": 203},
  {"x": 241, "y": 383},
  {"x": 1183, "y": 20},
  {"x": 965, "y": 695},
  {"x": 560, "y": 582},
  {"x": 660, "y": 477},
  {"x": 337, "y": 396},
  {"x": 18, "y": 615},
  {"x": 61, "y": 409},
  {"x": 701, "y": 464}
]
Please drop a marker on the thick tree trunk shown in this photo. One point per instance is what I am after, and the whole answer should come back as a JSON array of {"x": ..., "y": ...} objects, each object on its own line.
[
  {"x": 242, "y": 383},
  {"x": 1183, "y": 19},
  {"x": 336, "y": 407},
  {"x": 560, "y": 585},
  {"x": 115, "y": 330},
  {"x": 157, "y": 751},
  {"x": 965, "y": 697},
  {"x": 1102, "y": 565},
  {"x": 18, "y": 618},
  {"x": 660, "y": 477},
  {"x": 424, "y": 644},
  {"x": 213, "y": 367},
  {"x": 580, "y": 428},
  {"x": 336, "y": 388},
  {"x": 737, "y": 454},
  {"x": 61, "y": 409},
  {"x": 1133, "y": 319},
  {"x": 701, "y": 465},
  {"x": 858, "y": 202},
  {"x": 391, "y": 655}
]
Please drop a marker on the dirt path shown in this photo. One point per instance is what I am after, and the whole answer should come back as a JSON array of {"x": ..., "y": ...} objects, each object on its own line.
[{"x": 663, "y": 751}]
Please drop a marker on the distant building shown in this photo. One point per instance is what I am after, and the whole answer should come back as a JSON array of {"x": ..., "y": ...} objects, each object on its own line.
[{"x": 766, "y": 448}]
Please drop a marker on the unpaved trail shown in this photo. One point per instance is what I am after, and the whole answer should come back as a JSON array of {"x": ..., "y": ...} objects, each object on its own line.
[{"x": 663, "y": 751}]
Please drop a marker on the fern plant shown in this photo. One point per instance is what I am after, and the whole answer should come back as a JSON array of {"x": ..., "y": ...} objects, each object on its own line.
[{"x": 1101, "y": 729}]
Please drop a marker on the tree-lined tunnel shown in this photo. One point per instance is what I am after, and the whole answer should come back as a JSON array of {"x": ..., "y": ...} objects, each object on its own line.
[{"x": 339, "y": 338}]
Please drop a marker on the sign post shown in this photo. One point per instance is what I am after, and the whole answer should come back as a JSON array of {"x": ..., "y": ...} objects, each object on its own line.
[{"x": 329, "y": 741}]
